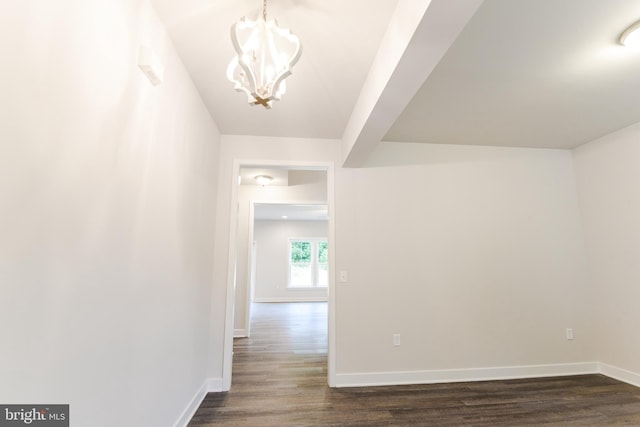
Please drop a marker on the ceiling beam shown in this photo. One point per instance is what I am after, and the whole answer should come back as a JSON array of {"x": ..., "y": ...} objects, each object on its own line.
[{"x": 419, "y": 34}]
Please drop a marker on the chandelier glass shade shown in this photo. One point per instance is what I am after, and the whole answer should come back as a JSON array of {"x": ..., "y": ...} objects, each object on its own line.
[{"x": 264, "y": 57}]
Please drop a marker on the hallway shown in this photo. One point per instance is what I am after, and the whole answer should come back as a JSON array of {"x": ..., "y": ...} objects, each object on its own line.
[
  {"x": 280, "y": 379},
  {"x": 279, "y": 373}
]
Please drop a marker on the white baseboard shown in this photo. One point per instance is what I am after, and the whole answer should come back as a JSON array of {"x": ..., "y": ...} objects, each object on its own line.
[
  {"x": 240, "y": 333},
  {"x": 214, "y": 385},
  {"x": 192, "y": 407},
  {"x": 464, "y": 375},
  {"x": 211, "y": 385},
  {"x": 620, "y": 374},
  {"x": 292, "y": 299}
]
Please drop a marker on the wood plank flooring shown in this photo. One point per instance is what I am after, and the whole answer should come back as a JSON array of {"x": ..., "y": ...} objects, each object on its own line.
[{"x": 279, "y": 379}]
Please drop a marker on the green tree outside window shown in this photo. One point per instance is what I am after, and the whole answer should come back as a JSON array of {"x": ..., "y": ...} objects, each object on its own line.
[
  {"x": 308, "y": 263},
  {"x": 301, "y": 251}
]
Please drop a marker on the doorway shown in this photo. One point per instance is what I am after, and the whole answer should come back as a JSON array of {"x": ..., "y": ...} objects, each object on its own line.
[
  {"x": 298, "y": 185},
  {"x": 289, "y": 261}
]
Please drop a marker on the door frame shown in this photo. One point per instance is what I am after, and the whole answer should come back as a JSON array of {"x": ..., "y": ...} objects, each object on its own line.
[{"x": 227, "y": 361}]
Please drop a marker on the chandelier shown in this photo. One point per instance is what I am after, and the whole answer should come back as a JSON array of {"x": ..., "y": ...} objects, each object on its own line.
[{"x": 264, "y": 57}]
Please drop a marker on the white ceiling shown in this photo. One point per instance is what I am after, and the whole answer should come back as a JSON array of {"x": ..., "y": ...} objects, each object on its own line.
[
  {"x": 286, "y": 177},
  {"x": 338, "y": 48},
  {"x": 292, "y": 212},
  {"x": 531, "y": 73}
]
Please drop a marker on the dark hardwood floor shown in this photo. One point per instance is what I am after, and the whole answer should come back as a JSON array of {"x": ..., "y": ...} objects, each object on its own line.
[{"x": 280, "y": 377}]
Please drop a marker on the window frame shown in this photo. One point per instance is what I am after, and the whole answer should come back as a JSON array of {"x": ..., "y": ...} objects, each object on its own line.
[{"x": 314, "y": 265}]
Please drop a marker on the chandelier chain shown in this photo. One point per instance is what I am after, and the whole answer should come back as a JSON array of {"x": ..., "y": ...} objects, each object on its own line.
[{"x": 264, "y": 10}]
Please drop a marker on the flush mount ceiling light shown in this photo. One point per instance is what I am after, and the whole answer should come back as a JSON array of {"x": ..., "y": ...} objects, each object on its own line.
[
  {"x": 264, "y": 57},
  {"x": 631, "y": 37},
  {"x": 263, "y": 180}
]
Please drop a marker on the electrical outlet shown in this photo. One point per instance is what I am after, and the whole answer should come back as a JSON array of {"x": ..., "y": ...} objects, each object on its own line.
[
  {"x": 396, "y": 340},
  {"x": 569, "y": 333}
]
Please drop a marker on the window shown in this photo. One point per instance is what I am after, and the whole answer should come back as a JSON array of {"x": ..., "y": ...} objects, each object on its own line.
[{"x": 308, "y": 263}]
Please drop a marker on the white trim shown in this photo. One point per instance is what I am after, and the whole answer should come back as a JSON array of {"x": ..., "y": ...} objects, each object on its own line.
[
  {"x": 214, "y": 385},
  {"x": 292, "y": 299},
  {"x": 192, "y": 406},
  {"x": 253, "y": 267},
  {"x": 240, "y": 333},
  {"x": 464, "y": 375},
  {"x": 619, "y": 374},
  {"x": 331, "y": 321},
  {"x": 250, "y": 260},
  {"x": 227, "y": 344}
]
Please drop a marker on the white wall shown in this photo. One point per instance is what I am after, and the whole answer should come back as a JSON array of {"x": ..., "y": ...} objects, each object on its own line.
[
  {"x": 473, "y": 254},
  {"x": 107, "y": 197},
  {"x": 272, "y": 260},
  {"x": 608, "y": 177}
]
